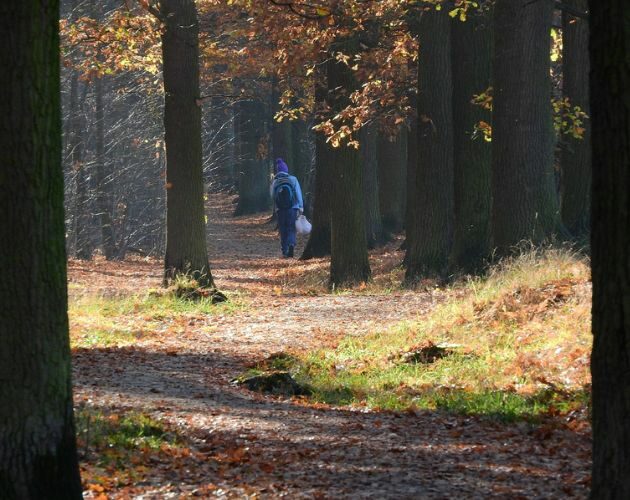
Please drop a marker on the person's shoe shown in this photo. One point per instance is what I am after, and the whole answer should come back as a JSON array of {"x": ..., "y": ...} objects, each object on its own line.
[{"x": 290, "y": 252}]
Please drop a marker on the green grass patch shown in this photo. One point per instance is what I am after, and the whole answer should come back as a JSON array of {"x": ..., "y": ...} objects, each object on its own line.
[
  {"x": 518, "y": 343},
  {"x": 98, "y": 321}
]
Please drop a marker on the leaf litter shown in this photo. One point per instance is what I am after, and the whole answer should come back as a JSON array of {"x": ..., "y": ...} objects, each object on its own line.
[{"x": 226, "y": 441}]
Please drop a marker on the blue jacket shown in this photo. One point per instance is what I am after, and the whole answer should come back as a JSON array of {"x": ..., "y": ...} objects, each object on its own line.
[{"x": 299, "y": 202}]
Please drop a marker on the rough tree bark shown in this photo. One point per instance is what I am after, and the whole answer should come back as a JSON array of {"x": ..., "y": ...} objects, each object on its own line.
[
  {"x": 472, "y": 68},
  {"x": 373, "y": 223},
  {"x": 253, "y": 177},
  {"x": 186, "y": 251},
  {"x": 392, "y": 179},
  {"x": 525, "y": 204},
  {"x": 349, "y": 258},
  {"x": 429, "y": 237},
  {"x": 575, "y": 185},
  {"x": 610, "y": 247},
  {"x": 38, "y": 457}
]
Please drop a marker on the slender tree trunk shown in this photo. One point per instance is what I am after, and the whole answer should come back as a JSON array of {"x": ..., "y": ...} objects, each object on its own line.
[
  {"x": 301, "y": 159},
  {"x": 373, "y": 222},
  {"x": 349, "y": 259},
  {"x": 81, "y": 210},
  {"x": 186, "y": 251},
  {"x": 412, "y": 167},
  {"x": 429, "y": 237},
  {"x": 38, "y": 457},
  {"x": 253, "y": 178},
  {"x": 525, "y": 205},
  {"x": 103, "y": 195},
  {"x": 392, "y": 180},
  {"x": 281, "y": 132},
  {"x": 318, "y": 244},
  {"x": 576, "y": 154},
  {"x": 471, "y": 62},
  {"x": 610, "y": 246}
]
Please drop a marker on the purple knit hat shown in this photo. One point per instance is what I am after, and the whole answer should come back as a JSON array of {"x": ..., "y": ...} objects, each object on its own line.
[{"x": 281, "y": 166}]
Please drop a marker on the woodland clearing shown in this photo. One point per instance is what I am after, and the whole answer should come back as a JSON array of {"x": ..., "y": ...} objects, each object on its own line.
[{"x": 159, "y": 415}]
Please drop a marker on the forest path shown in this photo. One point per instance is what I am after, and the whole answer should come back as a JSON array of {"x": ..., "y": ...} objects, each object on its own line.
[{"x": 274, "y": 447}]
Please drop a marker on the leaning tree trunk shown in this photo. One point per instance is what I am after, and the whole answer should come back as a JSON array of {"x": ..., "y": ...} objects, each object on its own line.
[
  {"x": 253, "y": 177},
  {"x": 318, "y": 244},
  {"x": 349, "y": 258},
  {"x": 471, "y": 62},
  {"x": 103, "y": 182},
  {"x": 610, "y": 246},
  {"x": 525, "y": 205},
  {"x": 38, "y": 457},
  {"x": 576, "y": 153},
  {"x": 373, "y": 223},
  {"x": 392, "y": 179},
  {"x": 186, "y": 251},
  {"x": 429, "y": 237}
]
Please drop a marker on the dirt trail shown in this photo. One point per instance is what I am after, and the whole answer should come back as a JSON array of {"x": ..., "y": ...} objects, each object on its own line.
[{"x": 293, "y": 449}]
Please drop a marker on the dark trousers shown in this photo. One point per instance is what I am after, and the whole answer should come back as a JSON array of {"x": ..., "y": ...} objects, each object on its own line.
[{"x": 286, "y": 226}]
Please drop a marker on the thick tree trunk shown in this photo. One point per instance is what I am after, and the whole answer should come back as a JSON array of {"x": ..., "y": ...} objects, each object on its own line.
[
  {"x": 349, "y": 259},
  {"x": 103, "y": 195},
  {"x": 610, "y": 246},
  {"x": 318, "y": 244},
  {"x": 38, "y": 458},
  {"x": 525, "y": 205},
  {"x": 253, "y": 177},
  {"x": 471, "y": 62},
  {"x": 392, "y": 180},
  {"x": 373, "y": 223},
  {"x": 430, "y": 235},
  {"x": 576, "y": 154},
  {"x": 186, "y": 251}
]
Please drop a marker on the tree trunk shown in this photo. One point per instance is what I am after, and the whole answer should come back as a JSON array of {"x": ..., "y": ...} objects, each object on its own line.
[
  {"x": 103, "y": 196},
  {"x": 576, "y": 154},
  {"x": 429, "y": 238},
  {"x": 186, "y": 251},
  {"x": 81, "y": 209},
  {"x": 281, "y": 136},
  {"x": 318, "y": 244},
  {"x": 392, "y": 179},
  {"x": 302, "y": 160},
  {"x": 38, "y": 457},
  {"x": 349, "y": 259},
  {"x": 373, "y": 222},
  {"x": 525, "y": 205},
  {"x": 610, "y": 246},
  {"x": 253, "y": 178},
  {"x": 471, "y": 62}
]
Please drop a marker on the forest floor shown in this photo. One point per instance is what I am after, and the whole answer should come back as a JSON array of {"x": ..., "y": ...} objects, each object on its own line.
[{"x": 159, "y": 414}]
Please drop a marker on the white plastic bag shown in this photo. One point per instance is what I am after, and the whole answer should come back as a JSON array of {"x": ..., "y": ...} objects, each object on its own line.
[{"x": 302, "y": 225}]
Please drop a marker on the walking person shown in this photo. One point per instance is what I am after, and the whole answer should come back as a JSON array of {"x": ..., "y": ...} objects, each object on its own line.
[{"x": 287, "y": 196}]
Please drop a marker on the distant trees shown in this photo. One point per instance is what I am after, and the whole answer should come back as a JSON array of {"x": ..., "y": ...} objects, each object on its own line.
[
  {"x": 462, "y": 178},
  {"x": 610, "y": 246},
  {"x": 38, "y": 457}
]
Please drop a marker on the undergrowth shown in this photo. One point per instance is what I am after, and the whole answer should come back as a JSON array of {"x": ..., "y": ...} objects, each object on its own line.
[{"x": 514, "y": 344}]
